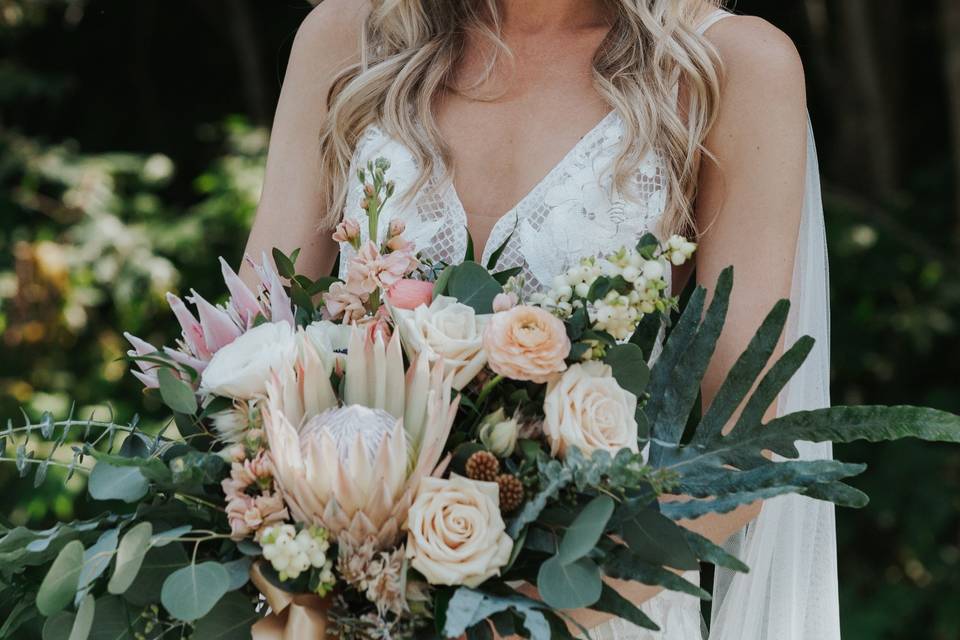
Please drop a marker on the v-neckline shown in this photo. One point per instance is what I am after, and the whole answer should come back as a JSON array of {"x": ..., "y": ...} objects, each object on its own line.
[{"x": 558, "y": 166}]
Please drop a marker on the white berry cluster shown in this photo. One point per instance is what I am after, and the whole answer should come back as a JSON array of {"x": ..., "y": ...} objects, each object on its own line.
[
  {"x": 679, "y": 250},
  {"x": 291, "y": 553}
]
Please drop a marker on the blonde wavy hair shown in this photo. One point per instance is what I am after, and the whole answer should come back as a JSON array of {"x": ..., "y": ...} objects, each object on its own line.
[{"x": 411, "y": 48}]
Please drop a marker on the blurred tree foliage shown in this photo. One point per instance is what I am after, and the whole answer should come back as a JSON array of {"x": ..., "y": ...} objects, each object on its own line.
[{"x": 132, "y": 142}]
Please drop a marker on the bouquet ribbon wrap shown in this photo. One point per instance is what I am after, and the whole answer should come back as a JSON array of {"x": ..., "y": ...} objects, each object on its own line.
[{"x": 292, "y": 616}]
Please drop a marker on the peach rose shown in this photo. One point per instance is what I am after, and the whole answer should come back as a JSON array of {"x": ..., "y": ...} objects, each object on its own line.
[
  {"x": 456, "y": 535},
  {"x": 586, "y": 408},
  {"x": 526, "y": 343},
  {"x": 410, "y": 294}
]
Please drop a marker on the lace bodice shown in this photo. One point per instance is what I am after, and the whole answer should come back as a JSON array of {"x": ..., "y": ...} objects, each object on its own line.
[{"x": 572, "y": 213}]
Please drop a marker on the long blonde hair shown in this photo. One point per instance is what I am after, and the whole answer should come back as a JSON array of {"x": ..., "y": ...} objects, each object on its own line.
[{"x": 410, "y": 50}]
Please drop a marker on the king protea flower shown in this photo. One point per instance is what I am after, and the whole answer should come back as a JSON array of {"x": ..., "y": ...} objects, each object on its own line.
[
  {"x": 354, "y": 468},
  {"x": 214, "y": 327}
]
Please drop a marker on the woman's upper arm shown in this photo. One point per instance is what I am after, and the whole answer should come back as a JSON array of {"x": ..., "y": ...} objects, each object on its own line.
[
  {"x": 291, "y": 204},
  {"x": 751, "y": 195}
]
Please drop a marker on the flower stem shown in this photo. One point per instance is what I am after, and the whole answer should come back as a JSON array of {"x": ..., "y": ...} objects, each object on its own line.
[{"x": 487, "y": 389}]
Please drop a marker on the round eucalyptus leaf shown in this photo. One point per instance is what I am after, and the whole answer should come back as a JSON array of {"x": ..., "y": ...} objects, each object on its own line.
[
  {"x": 586, "y": 529},
  {"x": 108, "y": 482},
  {"x": 230, "y": 619},
  {"x": 191, "y": 592},
  {"x": 84, "y": 620},
  {"x": 133, "y": 547},
  {"x": 569, "y": 586},
  {"x": 63, "y": 577},
  {"x": 58, "y": 627},
  {"x": 176, "y": 393}
]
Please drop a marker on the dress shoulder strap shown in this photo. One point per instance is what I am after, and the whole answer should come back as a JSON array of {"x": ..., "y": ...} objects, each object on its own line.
[{"x": 713, "y": 18}]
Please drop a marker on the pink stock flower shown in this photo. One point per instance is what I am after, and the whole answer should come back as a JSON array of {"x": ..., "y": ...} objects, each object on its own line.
[
  {"x": 397, "y": 227},
  {"x": 341, "y": 304},
  {"x": 347, "y": 232},
  {"x": 505, "y": 302},
  {"x": 369, "y": 270},
  {"x": 410, "y": 294}
]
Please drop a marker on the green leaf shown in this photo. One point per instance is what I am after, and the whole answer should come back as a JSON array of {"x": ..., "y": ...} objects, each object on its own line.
[
  {"x": 613, "y": 603},
  {"x": 284, "y": 264},
  {"x": 504, "y": 276},
  {"x": 471, "y": 285},
  {"x": 157, "y": 565},
  {"x": 557, "y": 477},
  {"x": 84, "y": 619},
  {"x": 495, "y": 256},
  {"x": 239, "y": 572},
  {"x": 623, "y": 564},
  {"x": 59, "y": 626},
  {"x": 191, "y": 592},
  {"x": 114, "y": 620},
  {"x": 648, "y": 245},
  {"x": 805, "y": 473},
  {"x": 230, "y": 619},
  {"x": 707, "y": 551},
  {"x": 743, "y": 374},
  {"x": 468, "y": 255},
  {"x": 97, "y": 558},
  {"x": 569, "y": 586},
  {"x": 60, "y": 583},
  {"x": 468, "y": 606},
  {"x": 653, "y": 537},
  {"x": 586, "y": 530},
  {"x": 692, "y": 509},
  {"x": 176, "y": 393},
  {"x": 108, "y": 482},
  {"x": 629, "y": 367},
  {"x": 443, "y": 282},
  {"x": 133, "y": 547},
  {"x": 646, "y": 333}
]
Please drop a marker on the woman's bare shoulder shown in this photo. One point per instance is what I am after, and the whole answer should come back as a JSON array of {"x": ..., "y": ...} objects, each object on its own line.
[
  {"x": 332, "y": 30},
  {"x": 755, "y": 51}
]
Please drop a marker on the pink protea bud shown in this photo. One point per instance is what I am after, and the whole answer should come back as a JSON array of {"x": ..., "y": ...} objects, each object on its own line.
[
  {"x": 242, "y": 300},
  {"x": 410, "y": 294},
  {"x": 505, "y": 302},
  {"x": 192, "y": 331},
  {"x": 219, "y": 329},
  {"x": 397, "y": 227}
]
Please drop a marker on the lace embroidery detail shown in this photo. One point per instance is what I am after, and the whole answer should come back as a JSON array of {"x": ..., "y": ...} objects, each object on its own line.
[{"x": 572, "y": 213}]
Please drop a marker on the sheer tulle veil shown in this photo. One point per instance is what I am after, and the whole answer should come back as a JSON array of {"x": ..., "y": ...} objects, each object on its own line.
[{"x": 791, "y": 592}]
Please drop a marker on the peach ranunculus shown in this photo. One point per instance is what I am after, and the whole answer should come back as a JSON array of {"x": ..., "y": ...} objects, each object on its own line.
[
  {"x": 586, "y": 408},
  {"x": 456, "y": 535},
  {"x": 410, "y": 294},
  {"x": 526, "y": 343}
]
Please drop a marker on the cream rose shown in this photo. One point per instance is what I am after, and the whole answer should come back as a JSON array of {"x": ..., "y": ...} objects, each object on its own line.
[
  {"x": 456, "y": 535},
  {"x": 241, "y": 369},
  {"x": 526, "y": 343},
  {"x": 587, "y": 409},
  {"x": 446, "y": 330}
]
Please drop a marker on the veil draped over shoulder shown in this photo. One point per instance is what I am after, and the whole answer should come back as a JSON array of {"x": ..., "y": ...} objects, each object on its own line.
[{"x": 791, "y": 590}]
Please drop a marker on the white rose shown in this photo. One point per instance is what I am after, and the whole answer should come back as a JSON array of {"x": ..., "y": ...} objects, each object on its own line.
[
  {"x": 331, "y": 341},
  {"x": 241, "y": 369},
  {"x": 587, "y": 409},
  {"x": 456, "y": 535},
  {"x": 446, "y": 330}
]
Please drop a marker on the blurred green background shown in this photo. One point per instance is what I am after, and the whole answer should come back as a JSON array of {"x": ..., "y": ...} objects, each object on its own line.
[{"x": 132, "y": 141}]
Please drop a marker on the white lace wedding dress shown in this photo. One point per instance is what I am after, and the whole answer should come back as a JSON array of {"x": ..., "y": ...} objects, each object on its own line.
[{"x": 574, "y": 212}]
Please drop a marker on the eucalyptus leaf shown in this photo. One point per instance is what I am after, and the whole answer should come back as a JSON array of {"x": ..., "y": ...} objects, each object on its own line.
[
  {"x": 61, "y": 581},
  {"x": 191, "y": 592},
  {"x": 629, "y": 367},
  {"x": 176, "y": 393},
  {"x": 108, "y": 482},
  {"x": 653, "y": 537},
  {"x": 97, "y": 558},
  {"x": 130, "y": 553},
  {"x": 569, "y": 586},
  {"x": 613, "y": 603},
  {"x": 58, "y": 626},
  {"x": 157, "y": 565},
  {"x": 230, "y": 619},
  {"x": 586, "y": 530},
  {"x": 83, "y": 621},
  {"x": 468, "y": 606},
  {"x": 473, "y": 286}
]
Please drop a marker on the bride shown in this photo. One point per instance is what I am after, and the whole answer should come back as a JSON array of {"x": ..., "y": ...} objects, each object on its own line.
[{"x": 568, "y": 128}]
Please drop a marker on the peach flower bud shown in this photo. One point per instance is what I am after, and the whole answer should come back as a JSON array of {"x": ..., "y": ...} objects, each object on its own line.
[
  {"x": 505, "y": 302},
  {"x": 397, "y": 227},
  {"x": 526, "y": 343},
  {"x": 347, "y": 231},
  {"x": 410, "y": 294}
]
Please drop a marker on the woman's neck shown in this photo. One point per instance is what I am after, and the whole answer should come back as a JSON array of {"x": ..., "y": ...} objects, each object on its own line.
[{"x": 530, "y": 16}]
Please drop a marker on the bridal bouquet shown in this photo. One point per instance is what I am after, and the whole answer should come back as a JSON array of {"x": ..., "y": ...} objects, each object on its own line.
[{"x": 421, "y": 450}]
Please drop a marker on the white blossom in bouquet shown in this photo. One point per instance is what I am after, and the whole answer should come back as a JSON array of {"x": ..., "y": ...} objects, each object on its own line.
[
  {"x": 447, "y": 331},
  {"x": 679, "y": 250},
  {"x": 241, "y": 369},
  {"x": 330, "y": 340},
  {"x": 586, "y": 408},
  {"x": 456, "y": 535}
]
